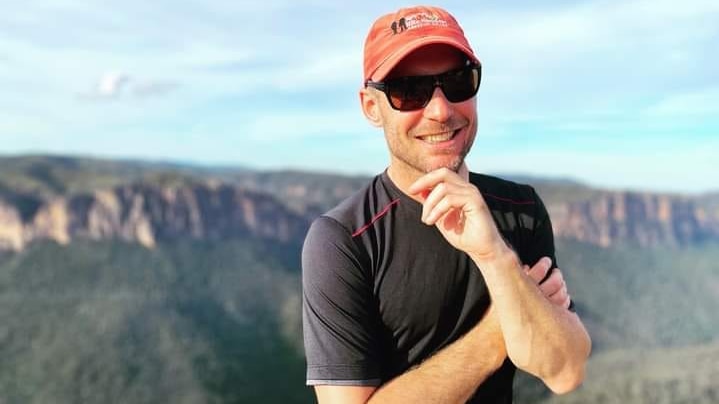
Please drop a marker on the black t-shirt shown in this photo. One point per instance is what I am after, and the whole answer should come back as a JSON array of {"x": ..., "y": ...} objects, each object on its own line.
[{"x": 382, "y": 291}]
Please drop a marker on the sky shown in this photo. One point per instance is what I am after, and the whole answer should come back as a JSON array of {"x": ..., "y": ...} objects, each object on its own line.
[{"x": 616, "y": 94}]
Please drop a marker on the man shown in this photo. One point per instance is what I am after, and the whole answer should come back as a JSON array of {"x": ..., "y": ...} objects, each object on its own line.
[{"x": 415, "y": 288}]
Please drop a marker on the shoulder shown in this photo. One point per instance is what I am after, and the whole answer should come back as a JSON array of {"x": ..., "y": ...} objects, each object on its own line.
[
  {"x": 339, "y": 225},
  {"x": 358, "y": 210},
  {"x": 331, "y": 254},
  {"x": 499, "y": 191}
]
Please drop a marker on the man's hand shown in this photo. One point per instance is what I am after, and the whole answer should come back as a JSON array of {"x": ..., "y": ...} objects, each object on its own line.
[
  {"x": 460, "y": 213},
  {"x": 553, "y": 288},
  {"x": 541, "y": 338}
]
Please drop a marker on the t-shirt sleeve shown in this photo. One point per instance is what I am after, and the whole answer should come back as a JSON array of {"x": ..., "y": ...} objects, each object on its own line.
[
  {"x": 543, "y": 238},
  {"x": 339, "y": 312}
]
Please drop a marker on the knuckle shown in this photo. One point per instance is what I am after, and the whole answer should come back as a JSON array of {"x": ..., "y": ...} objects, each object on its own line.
[{"x": 445, "y": 203}]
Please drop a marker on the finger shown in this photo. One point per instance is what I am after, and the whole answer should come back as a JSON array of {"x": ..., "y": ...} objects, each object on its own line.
[
  {"x": 448, "y": 203},
  {"x": 431, "y": 179},
  {"x": 560, "y": 297},
  {"x": 539, "y": 270},
  {"x": 433, "y": 197},
  {"x": 438, "y": 194},
  {"x": 553, "y": 284}
]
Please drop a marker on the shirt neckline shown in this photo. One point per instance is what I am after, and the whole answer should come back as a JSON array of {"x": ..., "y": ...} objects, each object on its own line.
[{"x": 396, "y": 193}]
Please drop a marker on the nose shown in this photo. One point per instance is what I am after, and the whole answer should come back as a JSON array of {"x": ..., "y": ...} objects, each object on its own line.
[{"x": 439, "y": 108}]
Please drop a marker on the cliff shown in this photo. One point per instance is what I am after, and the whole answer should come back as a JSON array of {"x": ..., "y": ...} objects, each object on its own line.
[
  {"x": 149, "y": 214},
  {"x": 280, "y": 206},
  {"x": 643, "y": 219}
]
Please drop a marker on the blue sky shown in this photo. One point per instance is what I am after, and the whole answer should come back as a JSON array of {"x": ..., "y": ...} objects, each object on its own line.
[{"x": 618, "y": 94}]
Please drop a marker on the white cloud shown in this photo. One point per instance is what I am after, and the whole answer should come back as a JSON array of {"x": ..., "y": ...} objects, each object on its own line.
[
  {"x": 111, "y": 83},
  {"x": 289, "y": 70},
  {"x": 114, "y": 84}
]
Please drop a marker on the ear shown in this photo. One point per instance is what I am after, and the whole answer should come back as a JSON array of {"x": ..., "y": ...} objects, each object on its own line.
[{"x": 371, "y": 107}]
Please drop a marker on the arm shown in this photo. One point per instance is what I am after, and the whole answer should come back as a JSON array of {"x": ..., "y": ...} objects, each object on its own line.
[
  {"x": 341, "y": 326},
  {"x": 545, "y": 340},
  {"x": 458, "y": 367},
  {"x": 541, "y": 338},
  {"x": 450, "y": 376}
]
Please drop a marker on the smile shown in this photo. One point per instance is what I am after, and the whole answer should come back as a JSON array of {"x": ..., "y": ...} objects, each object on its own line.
[{"x": 439, "y": 137}]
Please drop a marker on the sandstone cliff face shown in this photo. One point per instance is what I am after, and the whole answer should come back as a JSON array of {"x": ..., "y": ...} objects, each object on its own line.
[
  {"x": 644, "y": 219},
  {"x": 11, "y": 227},
  {"x": 148, "y": 215}
]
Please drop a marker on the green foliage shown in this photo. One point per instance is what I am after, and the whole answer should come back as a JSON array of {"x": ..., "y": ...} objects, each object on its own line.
[
  {"x": 112, "y": 322},
  {"x": 220, "y": 323},
  {"x": 651, "y": 314},
  {"x": 678, "y": 375},
  {"x": 202, "y": 322},
  {"x": 632, "y": 297}
]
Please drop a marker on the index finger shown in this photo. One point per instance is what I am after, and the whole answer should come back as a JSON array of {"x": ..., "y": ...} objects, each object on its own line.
[{"x": 432, "y": 178}]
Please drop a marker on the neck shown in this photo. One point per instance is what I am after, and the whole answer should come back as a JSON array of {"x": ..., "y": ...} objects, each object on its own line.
[{"x": 404, "y": 178}]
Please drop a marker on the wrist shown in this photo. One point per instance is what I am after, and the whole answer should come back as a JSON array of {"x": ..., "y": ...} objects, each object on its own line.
[{"x": 501, "y": 254}]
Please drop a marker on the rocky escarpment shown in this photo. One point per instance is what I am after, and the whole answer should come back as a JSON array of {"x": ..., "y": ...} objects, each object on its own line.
[
  {"x": 150, "y": 214},
  {"x": 648, "y": 220},
  {"x": 598, "y": 217}
]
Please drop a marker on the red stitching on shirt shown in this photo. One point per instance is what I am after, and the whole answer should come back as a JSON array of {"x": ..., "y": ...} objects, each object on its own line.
[
  {"x": 375, "y": 218},
  {"x": 509, "y": 200}
]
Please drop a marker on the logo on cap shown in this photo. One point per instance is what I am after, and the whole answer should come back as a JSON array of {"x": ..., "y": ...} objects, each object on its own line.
[{"x": 417, "y": 20}]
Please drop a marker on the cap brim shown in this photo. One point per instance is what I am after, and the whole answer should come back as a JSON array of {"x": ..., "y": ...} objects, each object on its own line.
[{"x": 389, "y": 64}]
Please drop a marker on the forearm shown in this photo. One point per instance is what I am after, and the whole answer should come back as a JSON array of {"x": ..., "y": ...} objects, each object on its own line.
[
  {"x": 454, "y": 373},
  {"x": 543, "y": 339}
]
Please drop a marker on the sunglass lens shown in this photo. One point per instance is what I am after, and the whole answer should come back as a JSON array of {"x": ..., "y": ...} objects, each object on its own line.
[
  {"x": 410, "y": 93},
  {"x": 414, "y": 92},
  {"x": 461, "y": 85}
]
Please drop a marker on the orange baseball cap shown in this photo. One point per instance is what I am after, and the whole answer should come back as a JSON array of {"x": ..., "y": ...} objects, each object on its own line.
[{"x": 395, "y": 35}]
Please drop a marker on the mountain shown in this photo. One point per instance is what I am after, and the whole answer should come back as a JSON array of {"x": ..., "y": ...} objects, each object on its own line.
[
  {"x": 663, "y": 376},
  {"x": 187, "y": 322},
  {"x": 148, "y": 214},
  {"x": 62, "y": 198},
  {"x": 646, "y": 220},
  {"x": 126, "y": 281},
  {"x": 47, "y": 176}
]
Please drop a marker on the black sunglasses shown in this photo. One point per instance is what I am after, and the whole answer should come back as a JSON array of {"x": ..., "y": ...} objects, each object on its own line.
[{"x": 414, "y": 92}]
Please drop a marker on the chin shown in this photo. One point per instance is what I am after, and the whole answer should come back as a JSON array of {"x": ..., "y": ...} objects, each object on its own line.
[{"x": 454, "y": 165}]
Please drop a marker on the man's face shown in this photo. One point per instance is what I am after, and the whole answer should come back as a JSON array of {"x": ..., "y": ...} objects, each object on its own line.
[{"x": 438, "y": 135}]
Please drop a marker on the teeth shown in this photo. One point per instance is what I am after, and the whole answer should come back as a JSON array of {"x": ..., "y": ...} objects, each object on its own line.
[{"x": 442, "y": 137}]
